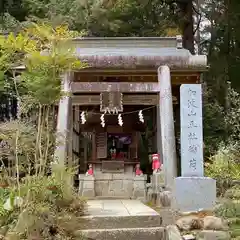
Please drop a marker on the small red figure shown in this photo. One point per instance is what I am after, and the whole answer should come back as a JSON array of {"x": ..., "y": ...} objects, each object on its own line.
[
  {"x": 113, "y": 153},
  {"x": 138, "y": 171},
  {"x": 156, "y": 164},
  {"x": 90, "y": 170}
]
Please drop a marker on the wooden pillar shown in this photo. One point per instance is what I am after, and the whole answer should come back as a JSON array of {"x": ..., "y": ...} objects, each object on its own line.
[
  {"x": 159, "y": 135},
  {"x": 167, "y": 126},
  {"x": 85, "y": 154},
  {"x": 63, "y": 121},
  {"x": 94, "y": 149}
]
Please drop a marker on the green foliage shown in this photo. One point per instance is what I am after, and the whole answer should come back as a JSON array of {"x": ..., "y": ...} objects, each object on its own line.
[
  {"x": 229, "y": 129},
  {"x": 229, "y": 209},
  {"x": 224, "y": 167},
  {"x": 214, "y": 132},
  {"x": 233, "y": 115},
  {"x": 106, "y": 18},
  {"x": 28, "y": 142},
  {"x": 40, "y": 49},
  {"x": 4, "y": 194},
  {"x": 45, "y": 201},
  {"x": 233, "y": 193},
  {"x": 46, "y": 54}
]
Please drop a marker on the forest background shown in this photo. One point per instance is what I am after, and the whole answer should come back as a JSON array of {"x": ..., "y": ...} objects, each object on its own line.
[{"x": 208, "y": 27}]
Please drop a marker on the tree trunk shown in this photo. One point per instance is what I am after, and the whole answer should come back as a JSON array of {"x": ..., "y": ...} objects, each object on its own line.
[{"x": 186, "y": 8}]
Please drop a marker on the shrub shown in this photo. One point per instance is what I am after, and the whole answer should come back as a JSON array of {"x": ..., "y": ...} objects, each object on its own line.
[
  {"x": 45, "y": 200},
  {"x": 224, "y": 167}
]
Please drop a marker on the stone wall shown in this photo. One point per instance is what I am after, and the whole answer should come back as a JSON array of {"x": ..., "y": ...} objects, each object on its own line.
[
  {"x": 121, "y": 185},
  {"x": 114, "y": 184}
]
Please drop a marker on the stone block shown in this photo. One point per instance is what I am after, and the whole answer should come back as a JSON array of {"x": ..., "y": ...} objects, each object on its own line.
[
  {"x": 157, "y": 181},
  {"x": 156, "y": 233},
  {"x": 113, "y": 166},
  {"x": 103, "y": 176},
  {"x": 88, "y": 184},
  {"x": 118, "y": 176},
  {"x": 172, "y": 233},
  {"x": 139, "y": 194},
  {"x": 101, "y": 187},
  {"x": 139, "y": 185},
  {"x": 128, "y": 187},
  {"x": 191, "y": 194},
  {"x": 88, "y": 193},
  {"x": 215, "y": 223},
  {"x": 139, "y": 182},
  {"x": 115, "y": 185},
  {"x": 213, "y": 235},
  {"x": 129, "y": 170}
]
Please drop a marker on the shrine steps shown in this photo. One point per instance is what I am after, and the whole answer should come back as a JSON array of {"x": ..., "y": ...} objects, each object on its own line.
[
  {"x": 154, "y": 233},
  {"x": 121, "y": 220},
  {"x": 109, "y": 198}
]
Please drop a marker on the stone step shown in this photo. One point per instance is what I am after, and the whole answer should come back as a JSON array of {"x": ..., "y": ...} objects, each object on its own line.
[
  {"x": 112, "y": 214},
  {"x": 112, "y": 222},
  {"x": 109, "y": 198},
  {"x": 154, "y": 233}
]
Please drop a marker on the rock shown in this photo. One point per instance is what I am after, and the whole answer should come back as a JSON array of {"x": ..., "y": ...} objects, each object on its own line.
[
  {"x": 213, "y": 235},
  {"x": 214, "y": 223},
  {"x": 164, "y": 198},
  {"x": 189, "y": 237},
  {"x": 172, "y": 233},
  {"x": 149, "y": 194},
  {"x": 188, "y": 223}
]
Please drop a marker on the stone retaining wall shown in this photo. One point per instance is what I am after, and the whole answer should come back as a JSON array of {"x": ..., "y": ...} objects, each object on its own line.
[
  {"x": 114, "y": 184},
  {"x": 124, "y": 185}
]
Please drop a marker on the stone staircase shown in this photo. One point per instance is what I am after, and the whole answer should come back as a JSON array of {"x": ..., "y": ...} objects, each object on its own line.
[{"x": 120, "y": 220}]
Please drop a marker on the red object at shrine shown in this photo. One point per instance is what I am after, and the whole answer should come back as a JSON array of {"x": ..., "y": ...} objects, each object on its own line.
[
  {"x": 90, "y": 170},
  {"x": 138, "y": 171},
  {"x": 156, "y": 163},
  {"x": 120, "y": 155}
]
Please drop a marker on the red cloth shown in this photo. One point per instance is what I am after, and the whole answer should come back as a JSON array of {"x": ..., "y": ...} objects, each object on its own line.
[
  {"x": 90, "y": 171},
  {"x": 156, "y": 164},
  {"x": 138, "y": 171}
]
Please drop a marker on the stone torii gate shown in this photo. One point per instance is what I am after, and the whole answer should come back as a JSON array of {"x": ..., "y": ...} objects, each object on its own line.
[{"x": 163, "y": 59}]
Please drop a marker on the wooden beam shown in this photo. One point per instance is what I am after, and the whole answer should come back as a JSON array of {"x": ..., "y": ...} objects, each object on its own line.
[
  {"x": 138, "y": 99},
  {"x": 183, "y": 78},
  {"x": 125, "y": 87}
]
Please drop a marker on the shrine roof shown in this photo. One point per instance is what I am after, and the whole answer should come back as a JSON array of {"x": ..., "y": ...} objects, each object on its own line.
[{"x": 135, "y": 52}]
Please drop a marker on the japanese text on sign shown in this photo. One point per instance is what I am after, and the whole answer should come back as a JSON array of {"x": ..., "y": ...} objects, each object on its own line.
[{"x": 191, "y": 130}]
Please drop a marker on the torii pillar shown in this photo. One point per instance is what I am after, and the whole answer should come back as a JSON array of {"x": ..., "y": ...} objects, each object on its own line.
[
  {"x": 165, "y": 122},
  {"x": 63, "y": 139}
]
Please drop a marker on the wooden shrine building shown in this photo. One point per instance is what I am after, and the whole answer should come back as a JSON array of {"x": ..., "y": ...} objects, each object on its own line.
[{"x": 131, "y": 86}]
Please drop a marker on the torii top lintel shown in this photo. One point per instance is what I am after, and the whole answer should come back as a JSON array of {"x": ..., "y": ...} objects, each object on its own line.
[{"x": 137, "y": 52}]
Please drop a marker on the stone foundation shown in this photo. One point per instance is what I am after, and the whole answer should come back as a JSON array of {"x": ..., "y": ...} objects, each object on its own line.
[
  {"x": 122, "y": 185},
  {"x": 193, "y": 194}
]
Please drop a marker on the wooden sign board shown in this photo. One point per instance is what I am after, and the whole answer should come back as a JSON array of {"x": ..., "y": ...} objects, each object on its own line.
[{"x": 113, "y": 166}]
